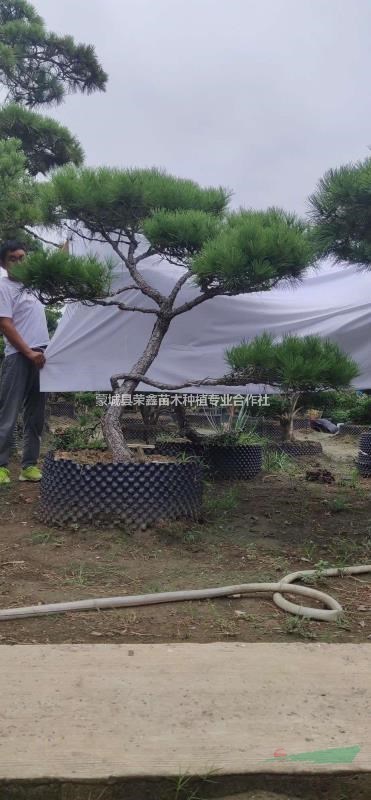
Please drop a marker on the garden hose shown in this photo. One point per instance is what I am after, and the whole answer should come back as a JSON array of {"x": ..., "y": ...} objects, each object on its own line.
[{"x": 285, "y": 586}]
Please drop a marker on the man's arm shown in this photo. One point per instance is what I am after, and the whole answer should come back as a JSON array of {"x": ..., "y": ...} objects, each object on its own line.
[{"x": 8, "y": 329}]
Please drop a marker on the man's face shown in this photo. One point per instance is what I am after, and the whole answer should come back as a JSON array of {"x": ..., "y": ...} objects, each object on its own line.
[{"x": 13, "y": 257}]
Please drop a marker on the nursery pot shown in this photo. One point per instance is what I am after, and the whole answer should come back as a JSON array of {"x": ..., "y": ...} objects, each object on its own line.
[
  {"x": 353, "y": 430},
  {"x": 129, "y": 493},
  {"x": 61, "y": 409},
  {"x": 364, "y": 465},
  {"x": 299, "y": 448},
  {"x": 223, "y": 462},
  {"x": 174, "y": 448},
  {"x": 234, "y": 462},
  {"x": 365, "y": 443}
]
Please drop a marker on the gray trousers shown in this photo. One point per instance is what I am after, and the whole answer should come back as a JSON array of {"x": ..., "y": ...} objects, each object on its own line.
[{"x": 20, "y": 390}]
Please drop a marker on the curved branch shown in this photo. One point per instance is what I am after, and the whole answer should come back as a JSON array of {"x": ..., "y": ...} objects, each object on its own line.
[
  {"x": 225, "y": 380},
  {"x": 129, "y": 262},
  {"x": 123, "y": 306},
  {"x": 176, "y": 289},
  {"x": 40, "y": 238},
  {"x": 81, "y": 235},
  {"x": 208, "y": 295}
]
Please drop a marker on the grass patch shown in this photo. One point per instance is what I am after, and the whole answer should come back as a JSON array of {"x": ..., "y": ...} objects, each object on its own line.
[
  {"x": 78, "y": 576},
  {"x": 190, "y": 788},
  {"x": 44, "y": 537},
  {"x": 299, "y": 626},
  {"x": 226, "y": 500},
  {"x": 338, "y": 504},
  {"x": 347, "y": 552},
  {"x": 274, "y": 461},
  {"x": 192, "y": 537}
]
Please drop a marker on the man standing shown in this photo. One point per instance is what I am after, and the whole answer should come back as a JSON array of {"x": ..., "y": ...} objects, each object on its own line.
[{"x": 24, "y": 327}]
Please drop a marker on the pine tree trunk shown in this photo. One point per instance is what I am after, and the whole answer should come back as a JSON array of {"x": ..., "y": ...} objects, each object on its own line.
[
  {"x": 111, "y": 423},
  {"x": 286, "y": 429},
  {"x": 287, "y": 422}
]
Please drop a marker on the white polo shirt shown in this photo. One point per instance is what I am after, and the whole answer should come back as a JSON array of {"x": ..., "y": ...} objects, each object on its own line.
[{"x": 27, "y": 313}]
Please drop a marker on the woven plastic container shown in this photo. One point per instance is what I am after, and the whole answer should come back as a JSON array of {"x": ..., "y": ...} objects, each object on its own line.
[
  {"x": 234, "y": 462},
  {"x": 299, "y": 449},
  {"x": 222, "y": 462},
  {"x": 122, "y": 493},
  {"x": 365, "y": 443},
  {"x": 353, "y": 430}
]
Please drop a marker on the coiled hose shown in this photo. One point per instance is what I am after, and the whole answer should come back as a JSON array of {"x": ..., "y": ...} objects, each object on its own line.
[{"x": 285, "y": 586}]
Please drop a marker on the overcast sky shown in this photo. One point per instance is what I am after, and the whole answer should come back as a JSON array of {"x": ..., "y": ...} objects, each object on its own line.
[{"x": 260, "y": 96}]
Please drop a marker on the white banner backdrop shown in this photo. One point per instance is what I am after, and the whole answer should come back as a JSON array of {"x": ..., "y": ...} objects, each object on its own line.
[{"x": 93, "y": 343}]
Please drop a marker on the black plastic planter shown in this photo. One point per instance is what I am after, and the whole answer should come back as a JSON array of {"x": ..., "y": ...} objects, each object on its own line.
[
  {"x": 234, "y": 462},
  {"x": 365, "y": 443},
  {"x": 122, "y": 493},
  {"x": 353, "y": 430},
  {"x": 223, "y": 462},
  {"x": 364, "y": 455},
  {"x": 63, "y": 409},
  {"x": 298, "y": 449},
  {"x": 269, "y": 429},
  {"x": 364, "y": 465},
  {"x": 177, "y": 448},
  {"x": 301, "y": 424},
  {"x": 273, "y": 430}
]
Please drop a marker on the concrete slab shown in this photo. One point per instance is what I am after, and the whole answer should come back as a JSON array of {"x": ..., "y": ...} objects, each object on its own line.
[{"x": 76, "y": 712}]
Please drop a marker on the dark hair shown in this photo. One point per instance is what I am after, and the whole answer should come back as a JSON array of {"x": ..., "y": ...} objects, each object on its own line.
[{"x": 10, "y": 246}]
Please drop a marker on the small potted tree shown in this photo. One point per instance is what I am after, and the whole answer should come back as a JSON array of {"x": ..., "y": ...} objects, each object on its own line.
[
  {"x": 295, "y": 365},
  {"x": 142, "y": 214}
]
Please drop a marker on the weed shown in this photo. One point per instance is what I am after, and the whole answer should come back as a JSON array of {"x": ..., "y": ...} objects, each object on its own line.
[
  {"x": 185, "y": 458},
  {"x": 78, "y": 576},
  {"x": 225, "y": 501},
  {"x": 351, "y": 480},
  {"x": 347, "y": 551},
  {"x": 309, "y": 551},
  {"x": 192, "y": 537},
  {"x": 299, "y": 626},
  {"x": 320, "y": 568},
  {"x": 42, "y": 537},
  {"x": 154, "y": 588},
  {"x": 343, "y": 622},
  {"x": 278, "y": 462},
  {"x": 188, "y": 787},
  {"x": 339, "y": 504}
]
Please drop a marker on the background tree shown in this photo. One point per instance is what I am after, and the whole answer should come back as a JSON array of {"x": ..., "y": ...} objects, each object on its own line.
[
  {"x": 142, "y": 213},
  {"x": 295, "y": 365},
  {"x": 19, "y": 201},
  {"x": 45, "y": 143},
  {"x": 341, "y": 212},
  {"x": 38, "y": 69}
]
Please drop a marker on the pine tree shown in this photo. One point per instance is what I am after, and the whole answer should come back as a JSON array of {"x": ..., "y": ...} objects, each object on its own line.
[
  {"x": 19, "y": 201},
  {"x": 294, "y": 365},
  {"x": 38, "y": 69},
  {"x": 341, "y": 212},
  {"x": 141, "y": 213}
]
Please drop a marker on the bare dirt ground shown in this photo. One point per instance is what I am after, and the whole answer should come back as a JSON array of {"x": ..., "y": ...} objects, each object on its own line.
[{"x": 260, "y": 530}]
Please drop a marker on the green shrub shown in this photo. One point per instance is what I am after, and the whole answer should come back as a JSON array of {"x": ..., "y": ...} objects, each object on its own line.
[{"x": 77, "y": 437}]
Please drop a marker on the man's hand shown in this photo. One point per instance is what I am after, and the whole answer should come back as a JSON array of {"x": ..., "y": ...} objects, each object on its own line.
[
  {"x": 9, "y": 330},
  {"x": 38, "y": 359}
]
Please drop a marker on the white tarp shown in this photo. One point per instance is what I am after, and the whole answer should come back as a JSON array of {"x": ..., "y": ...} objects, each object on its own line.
[{"x": 93, "y": 343}]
